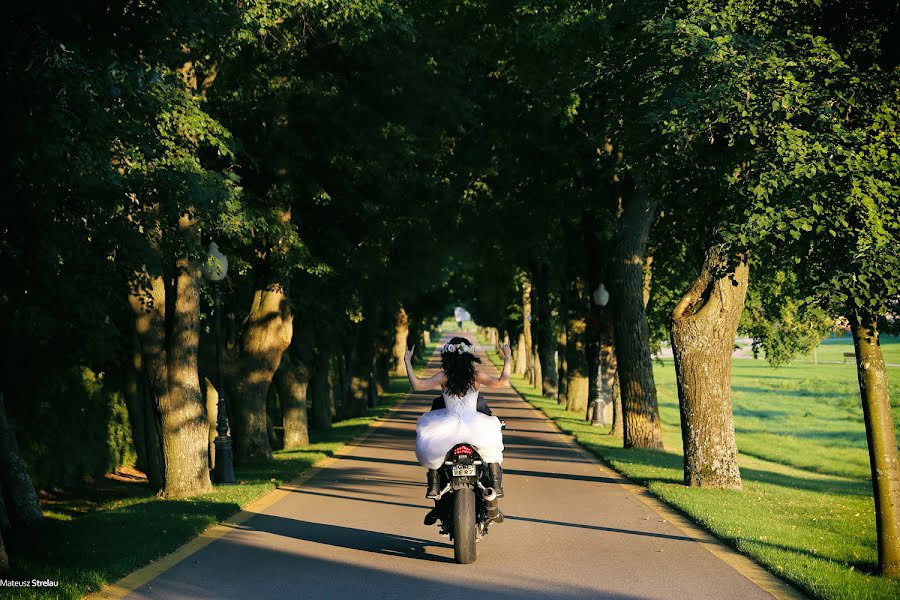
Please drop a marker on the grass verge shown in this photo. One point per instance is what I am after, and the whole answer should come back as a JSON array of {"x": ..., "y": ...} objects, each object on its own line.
[
  {"x": 814, "y": 529},
  {"x": 86, "y": 549}
]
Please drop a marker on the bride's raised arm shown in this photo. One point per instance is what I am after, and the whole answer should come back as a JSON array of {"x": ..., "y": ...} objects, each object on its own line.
[
  {"x": 422, "y": 385},
  {"x": 486, "y": 380}
]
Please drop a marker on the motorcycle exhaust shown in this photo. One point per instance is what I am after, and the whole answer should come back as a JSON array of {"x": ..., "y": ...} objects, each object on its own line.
[{"x": 491, "y": 504}]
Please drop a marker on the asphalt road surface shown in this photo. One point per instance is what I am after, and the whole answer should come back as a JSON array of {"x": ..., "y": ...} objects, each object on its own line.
[{"x": 355, "y": 531}]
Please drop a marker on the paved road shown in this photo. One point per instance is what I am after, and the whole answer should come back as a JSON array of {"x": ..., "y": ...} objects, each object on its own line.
[{"x": 355, "y": 531}]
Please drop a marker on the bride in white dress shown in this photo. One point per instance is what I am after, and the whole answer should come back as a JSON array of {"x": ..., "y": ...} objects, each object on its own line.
[{"x": 439, "y": 430}]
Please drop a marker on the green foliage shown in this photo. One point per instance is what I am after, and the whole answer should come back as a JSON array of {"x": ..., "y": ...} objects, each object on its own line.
[{"x": 90, "y": 428}]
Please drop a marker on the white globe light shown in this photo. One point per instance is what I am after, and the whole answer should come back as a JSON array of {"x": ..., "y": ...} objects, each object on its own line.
[
  {"x": 216, "y": 266},
  {"x": 601, "y": 296}
]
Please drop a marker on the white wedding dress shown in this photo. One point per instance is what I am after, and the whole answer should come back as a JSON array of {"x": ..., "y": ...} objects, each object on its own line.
[{"x": 439, "y": 430}]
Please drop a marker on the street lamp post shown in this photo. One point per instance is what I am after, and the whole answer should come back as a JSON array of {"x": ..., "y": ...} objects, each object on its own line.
[
  {"x": 214, "y": 272},
  {"x": 600, "y": 298}
]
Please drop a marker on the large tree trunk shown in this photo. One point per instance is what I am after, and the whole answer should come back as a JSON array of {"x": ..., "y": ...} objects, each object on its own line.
[
  {"x": 212, "y": 416},
  {"x": 134, "y": 403},
  {"x": 401, "y": 332},
  {"x": 323, "y": 392},
  {"x": 642, "y": 427},
  {"x": 144, "y": 419},
  {"x": 544, "y": 334},
  {"x": 267, "y": 333},
  {"x": 703, "y": 328},
  {"x": 562, "y": 372},
  {"x": 526, "y": 330},
  {"x": 610, "y": 380},
  {"x": 576, "y": 355},
  {"x": 24, "y": 509},
  {"x": 359, "y": 367},
  {"x": 292, "y": 382},
  {"x": 876, "y": 403},
  {"x": 520, "y": 365},
  {"x": 170, "y": 365},
  {"x": 185, "y": 428}
]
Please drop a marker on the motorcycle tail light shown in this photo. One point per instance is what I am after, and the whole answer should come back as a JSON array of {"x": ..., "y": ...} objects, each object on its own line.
[{"x": 462, "y": 450}]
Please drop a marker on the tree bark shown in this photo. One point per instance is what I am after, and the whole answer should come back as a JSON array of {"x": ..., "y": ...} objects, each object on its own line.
[
  {"x": 641, "y": 414},
  {"x": 876, "y": 404},
  {"x": 520, "y": 367},
  {"x": 576, "y": 355},
  {"x": 24, "y": 509},
  {"x": 169, "y": 346},
  {"x": 526, "y": 330},
  {"x": 268, "y": 331},
  {"x": 544, "y": 334},
  {"x": 212, "y": 415},
  {"x": 359, "y": 367},
  {"x": 292, "y": 381},
  {"x": 322, "y": 384},
  {"x": 611, "y": 380},
  {"x": 143, "y": 418},
  {"x": 134, "y": 403},
  {"x": 401, "y": 333},
  {"x": 703, "y": 328},
  {"x": 562, "y": 373}
]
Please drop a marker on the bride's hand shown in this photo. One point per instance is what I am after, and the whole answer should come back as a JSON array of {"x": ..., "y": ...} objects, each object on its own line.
[
  {"x": 409, "y": 353},
  {"x": 505, "y": 351}
]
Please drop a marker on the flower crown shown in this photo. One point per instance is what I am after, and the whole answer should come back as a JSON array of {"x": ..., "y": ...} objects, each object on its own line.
[{"x": 460, "y": 348}]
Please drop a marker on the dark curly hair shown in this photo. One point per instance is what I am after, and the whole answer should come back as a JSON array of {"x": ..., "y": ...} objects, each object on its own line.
[{"x": 460, "y": 369}]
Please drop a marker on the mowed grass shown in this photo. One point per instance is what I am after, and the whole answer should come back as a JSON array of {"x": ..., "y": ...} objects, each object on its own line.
[
  {"x": 832, "y": 349},
  {"x": 806, "y": 512},
  {"x": 84, "y": 550}
]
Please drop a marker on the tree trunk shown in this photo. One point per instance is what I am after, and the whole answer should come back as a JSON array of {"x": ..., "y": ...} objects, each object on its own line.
[
  {"x": 401, "y": 332},
  {"x": 169, "y": 347},
  {"x": 185, "y": 430},
  {"x": 526, "y": 330},
  {"x": 611, "y": 380},
  {"x": 562, "y": 373},
  {"x": 292, "y": 382},
  {"x": 876, "y": 403},
  {"x": 520, "y": 366},
  {"x": 24, "y": 510},
  {"x": 212, "y": 415},
  {"x": 641, "y": 414},
  {"x": 538, "y": 376},
  {"x": 156, "y": 467},
  {"x": 143, "y": 418},
  {"x": 134, "y": 403},
  {"x": 576, "y": 355},
  {"x": 268, "y": 331},
  {"x": 359, "y": 367},
  {"x": 322, "y": 384},
  {"x": 544, "y": 334},
  {"x": 703, "y": 329}
]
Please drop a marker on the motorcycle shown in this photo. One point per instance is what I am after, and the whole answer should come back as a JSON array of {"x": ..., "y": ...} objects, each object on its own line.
[{"x": 467, "y": 505}]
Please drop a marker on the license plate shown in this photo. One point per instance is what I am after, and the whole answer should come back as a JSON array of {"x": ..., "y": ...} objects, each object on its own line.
[{"x": 463, "y": 470}]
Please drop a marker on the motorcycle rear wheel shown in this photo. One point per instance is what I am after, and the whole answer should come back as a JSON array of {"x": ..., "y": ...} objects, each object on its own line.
[{"x": 464, "y": 526}]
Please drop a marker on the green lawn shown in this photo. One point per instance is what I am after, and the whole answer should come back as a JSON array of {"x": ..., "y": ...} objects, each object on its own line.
[
  {"x": 806, "y": 512},
  {"x": 83, "y": 549},
  {"x": 832, "y": 349}
]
